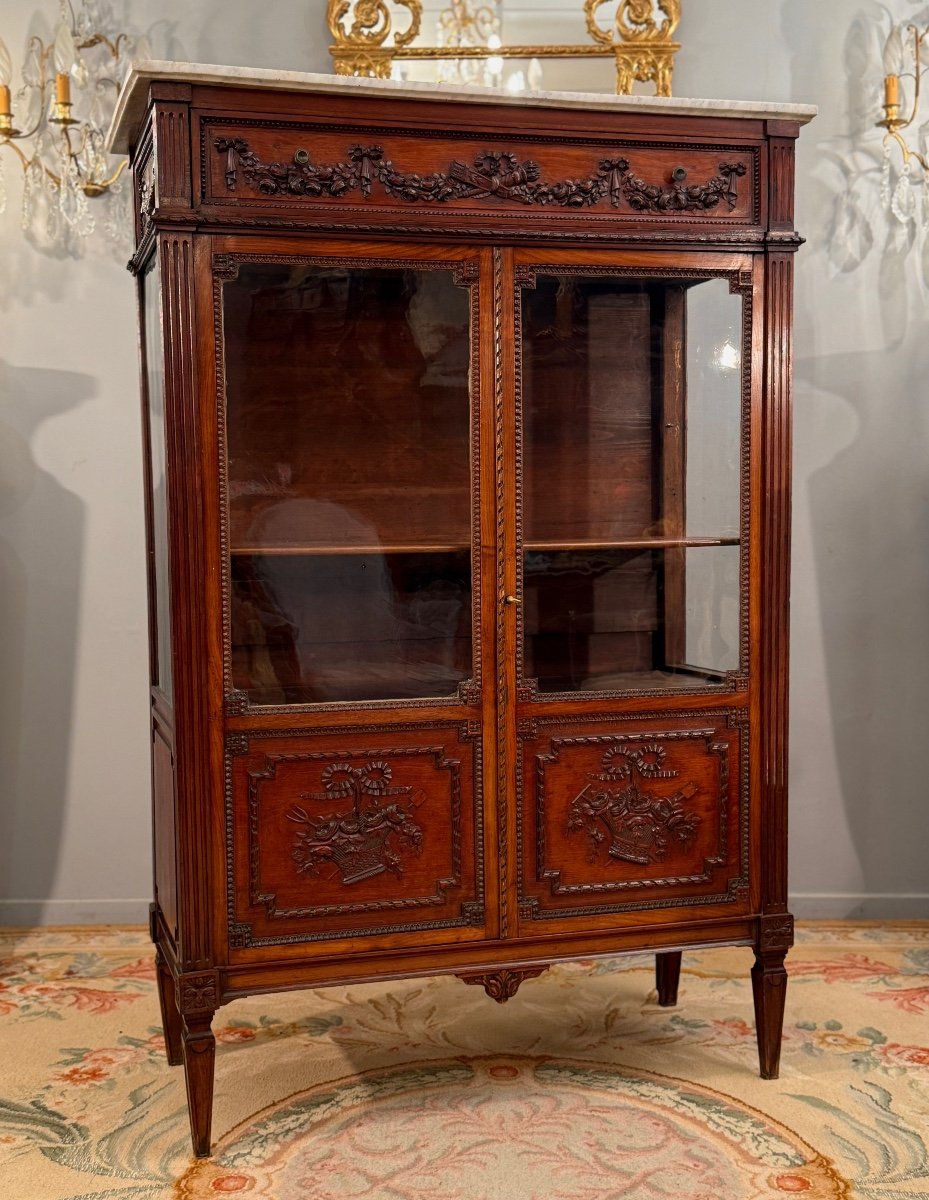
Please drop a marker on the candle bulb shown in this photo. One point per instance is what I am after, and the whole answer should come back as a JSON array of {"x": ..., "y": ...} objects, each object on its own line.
[
  {"x": 891, "y": 91},
  {"x": 894, "y": 53},
  {"x": 62, "y": 88},
  {"x": 6, "y": 68},
  {"x": 5, "y": 110}
]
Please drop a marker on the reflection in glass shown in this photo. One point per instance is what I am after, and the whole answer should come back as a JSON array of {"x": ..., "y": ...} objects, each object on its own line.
[
  {"x": 632, "y": 463},
  {"x": 713, "y": 394},
  {"x": 348, "y": 434},
  {"x": 712, "y": 621},
  {"x": 155, "y": 395}
]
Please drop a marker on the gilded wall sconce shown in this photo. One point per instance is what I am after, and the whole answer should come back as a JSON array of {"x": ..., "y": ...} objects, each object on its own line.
[
  {"x": 64, "y": 105},
  {"x": 903, "y": 60}
]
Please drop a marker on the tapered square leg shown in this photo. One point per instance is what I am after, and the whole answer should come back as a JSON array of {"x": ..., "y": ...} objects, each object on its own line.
[
  {"x": 667, "y": 977},
  {"x": 199, "y": 1063},
  {"x": 170, "y": 1017},
  {"x": 769, "y": 988}
]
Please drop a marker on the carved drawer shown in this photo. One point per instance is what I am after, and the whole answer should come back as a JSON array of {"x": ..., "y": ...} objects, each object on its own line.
[
  {"x": 436, "y": 175},
  {"x": 372, "y": 836},
  {"x": 621, "y": 816}
]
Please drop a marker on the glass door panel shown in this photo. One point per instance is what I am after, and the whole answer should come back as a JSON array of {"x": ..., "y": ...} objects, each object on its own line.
[
  {"x": 348, "y": 430},
  {"x": 631, "y": 402},
  {"x": 160, "y": 572}
]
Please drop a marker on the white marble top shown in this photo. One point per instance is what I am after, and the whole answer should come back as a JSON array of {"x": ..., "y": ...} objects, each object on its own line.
[{"x": 130, "y": 107}]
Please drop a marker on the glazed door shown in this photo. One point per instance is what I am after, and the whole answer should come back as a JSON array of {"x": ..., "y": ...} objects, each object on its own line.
[
  {"x": 626, "y": 599},
  {"x": 354, "y": 627}
]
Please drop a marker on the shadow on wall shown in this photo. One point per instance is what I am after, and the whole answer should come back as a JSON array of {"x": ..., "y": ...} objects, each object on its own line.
[
  {"x": 862, "y": 460},
  {"x": 41, "y": 546}
]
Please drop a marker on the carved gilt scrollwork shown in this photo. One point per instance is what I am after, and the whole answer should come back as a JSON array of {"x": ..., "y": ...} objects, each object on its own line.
[
  {"x": 641, "y": 41},
  {"x": 360, "y": 31},
  {"x": 635, "y": 21},
  {"x": 640, "y": 38},
  {"x": 371, "y": 22}
]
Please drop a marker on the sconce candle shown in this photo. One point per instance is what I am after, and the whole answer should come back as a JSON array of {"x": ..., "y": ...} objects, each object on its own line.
[
  {"x": 62, "y": 89},
  {"x": 5, "y": 110},
  {"x": 891, "y": 91}
]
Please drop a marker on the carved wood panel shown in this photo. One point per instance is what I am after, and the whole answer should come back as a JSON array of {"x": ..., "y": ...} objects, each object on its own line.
[
  {"x": 620, "y": 814},
  {"x": 492, "y": 173},
  {"x": 254, "y": 163},
  {"x": 362, "y": 833}
]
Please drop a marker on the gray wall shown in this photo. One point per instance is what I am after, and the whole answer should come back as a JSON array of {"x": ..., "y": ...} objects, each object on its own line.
[{"x": 73, "y": 738}]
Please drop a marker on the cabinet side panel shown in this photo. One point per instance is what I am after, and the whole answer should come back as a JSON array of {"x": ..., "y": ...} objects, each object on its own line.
[
  {"x": 193, "y": 601},
  {"x": 156, "y": 506},
  {"x": 163, "y": 798},
  {"x": 154, "y": 438}
]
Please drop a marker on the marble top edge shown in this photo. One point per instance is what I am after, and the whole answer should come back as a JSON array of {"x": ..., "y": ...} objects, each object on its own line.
[{"x": 130, "y": 107}]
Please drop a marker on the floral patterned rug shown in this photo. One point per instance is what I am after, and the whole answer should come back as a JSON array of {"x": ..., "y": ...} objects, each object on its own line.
[{"x": 580, "y": 1088}]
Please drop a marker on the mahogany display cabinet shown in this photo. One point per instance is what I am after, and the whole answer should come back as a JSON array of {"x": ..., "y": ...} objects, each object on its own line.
[{"x": 467, "y": 426}]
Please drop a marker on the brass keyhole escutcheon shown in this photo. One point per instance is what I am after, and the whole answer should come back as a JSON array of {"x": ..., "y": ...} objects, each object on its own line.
[{"x": 301, "y": 157}]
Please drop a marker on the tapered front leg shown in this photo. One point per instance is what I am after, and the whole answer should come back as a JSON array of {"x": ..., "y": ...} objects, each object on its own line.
[
  {"x": 170, "y": 1017},
  {"x": 769, "y": 988},
  {"x": 199, "y": 996},
  {"x": 199, "y": 1064},
  {"x": 667, "y": 977}
]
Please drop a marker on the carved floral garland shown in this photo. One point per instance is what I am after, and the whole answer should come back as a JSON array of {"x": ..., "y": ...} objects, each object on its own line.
[{"x": 492, "y": 173}]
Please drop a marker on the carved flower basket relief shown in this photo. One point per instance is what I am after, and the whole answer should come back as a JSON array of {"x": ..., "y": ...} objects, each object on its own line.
[
  {"x": 374, "y": 836},
  {"x": 634, "y": 824}
]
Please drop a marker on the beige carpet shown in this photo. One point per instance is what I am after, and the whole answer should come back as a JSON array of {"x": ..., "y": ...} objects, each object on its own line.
[{"x": 580, "y": 1088}]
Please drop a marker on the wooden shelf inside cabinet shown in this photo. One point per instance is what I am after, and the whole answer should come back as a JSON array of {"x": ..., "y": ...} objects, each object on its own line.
[
  {"x": 632, "y": 544},
  {"x": 468, "y": 467},
  {"x": 458, "y": 547}
]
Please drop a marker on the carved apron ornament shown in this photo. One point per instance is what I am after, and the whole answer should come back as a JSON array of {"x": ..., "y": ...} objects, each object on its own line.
[
  {"x": 364, "y": 842},
  {"x": 638, "y": 826}
]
